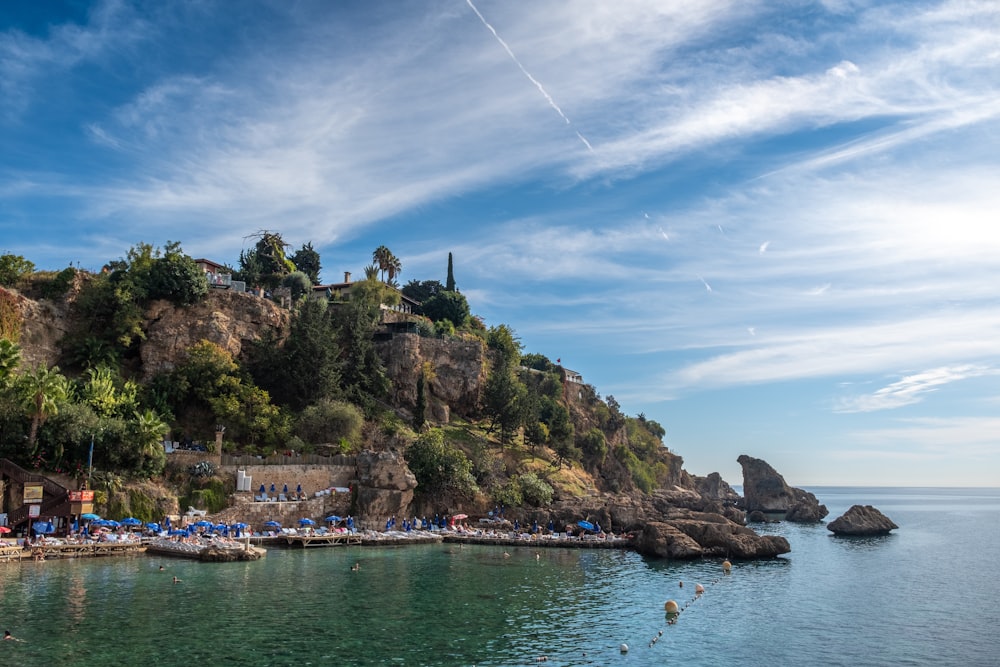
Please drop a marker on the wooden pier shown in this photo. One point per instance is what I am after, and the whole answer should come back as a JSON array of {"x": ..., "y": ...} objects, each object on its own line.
[
  {"x": 11, "y": 552},
  {"x": 327, "y": 540}
]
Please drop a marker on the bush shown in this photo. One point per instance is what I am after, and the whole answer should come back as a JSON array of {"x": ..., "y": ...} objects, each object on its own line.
[
  {"x": 330, "y": 421},
  {"x": 535, "y": 491}
]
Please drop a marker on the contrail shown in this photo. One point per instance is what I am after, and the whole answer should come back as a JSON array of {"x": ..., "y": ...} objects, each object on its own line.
[{"x": 541, "y": 89}]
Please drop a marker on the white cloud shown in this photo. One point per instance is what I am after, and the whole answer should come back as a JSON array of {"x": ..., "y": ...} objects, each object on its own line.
[{"x": 911, "y": 389}]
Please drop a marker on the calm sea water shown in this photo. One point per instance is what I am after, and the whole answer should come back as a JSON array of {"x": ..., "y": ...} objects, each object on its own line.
[{"x": 928, "y": 594}]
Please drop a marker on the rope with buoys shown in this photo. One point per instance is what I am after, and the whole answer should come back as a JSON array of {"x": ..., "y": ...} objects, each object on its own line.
[{"x": 673, "y": 609}]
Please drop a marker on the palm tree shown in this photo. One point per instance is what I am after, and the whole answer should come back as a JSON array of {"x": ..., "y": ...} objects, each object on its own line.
[
  {"x": 149, "y": 431},
  {"x": 43, "y": 390},
  {"x": 394, "y": 268},
  {"x": 381, "y": 258}
]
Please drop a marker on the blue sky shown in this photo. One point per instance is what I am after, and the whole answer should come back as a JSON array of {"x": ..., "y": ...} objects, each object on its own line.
[{"x": 770, "y": 226}]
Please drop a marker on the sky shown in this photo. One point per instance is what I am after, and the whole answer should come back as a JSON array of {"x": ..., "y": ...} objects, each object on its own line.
[{"x": 771, "y": 226}]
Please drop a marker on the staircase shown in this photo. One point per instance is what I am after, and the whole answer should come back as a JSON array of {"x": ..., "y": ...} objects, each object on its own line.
[{"x": 55, "y": 499}]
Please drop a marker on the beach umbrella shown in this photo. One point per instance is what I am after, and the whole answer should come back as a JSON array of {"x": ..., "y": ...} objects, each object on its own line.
[
  {"x": 459, "y": 517},
  {"x": 4, "y": 530},
  {"x": 43, "y": 527},
  {"x": 110, "y": 523},
  {"x": 586, "y": 525},
  {"x": 284, "y": 489},
  {"x": 272, "y": 524},
  {"x": 263, "y": 489},
  {"x": 178, "y": 531},
  {"x": 306, "y": 522},
  {"x": 298, "y": 489},
  {"x": 272, "y": 487},
  {"x": 332, "y": 519},
  {"x": 221, "y": 527},
  {"x": 90, "y": 516},
  {"x": 166, "y": 523},
  {"x": 204, "y": 524},
  {"x": 131, "y": 521},
  {"x": 155, "y": 527}
]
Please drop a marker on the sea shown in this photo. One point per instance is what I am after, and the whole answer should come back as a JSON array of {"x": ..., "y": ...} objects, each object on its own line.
[{"x": 926, "y": 594}]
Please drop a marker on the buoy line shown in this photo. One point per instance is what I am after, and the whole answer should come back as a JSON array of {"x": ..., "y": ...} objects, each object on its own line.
[{"x": 673, "y": 609}]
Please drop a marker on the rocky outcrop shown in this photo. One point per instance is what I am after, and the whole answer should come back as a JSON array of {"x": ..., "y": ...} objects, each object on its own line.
[
  {"x": 861, "y": 520},
  {"x": 43, "y": 325},
  {"x": 688, "y": 535},
  {"x": 229, "y": 319},
  {"x": 765, "y": 490},
  {"x": 385, "y": 485},
  {"x": 458, "y": 368}
]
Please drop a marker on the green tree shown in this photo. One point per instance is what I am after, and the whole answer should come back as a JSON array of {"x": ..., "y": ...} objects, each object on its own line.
[
  {"x": 450, "y": 280},
  {"x": 176, "y": 278},
  {"x": 306, "y": 260},
  {"x": 594, "y": 445},
  {"x": 504, "y": 402},
  {"x": 298, "y": 284},
  {"x": 382, "y": 258},
  {"x": 439, "y": 467},
  {"x": 451, "y": 306},
  {"x": 42, "y": 390},
  {"x": 105, "y": 392},
  {"x": 421, "y": 291},
  {"x": 13, "y": 268},
  {"x": 506, "y": 347},
  {"x": 10, "y": 358},
  {"x": 330, "y": 421}
]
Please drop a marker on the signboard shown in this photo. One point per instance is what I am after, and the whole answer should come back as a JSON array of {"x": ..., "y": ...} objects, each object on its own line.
[
  {"x": 81, "y": 496},
  {"x": 34, "y": 511},
  {"x": 33, "y": 493}
]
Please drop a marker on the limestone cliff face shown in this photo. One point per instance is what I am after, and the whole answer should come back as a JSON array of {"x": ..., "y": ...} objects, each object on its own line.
[
  {"x": 459, "y": 366},
  {"x": 44, "y": 323},
  {"x": 231, "y": 320}
]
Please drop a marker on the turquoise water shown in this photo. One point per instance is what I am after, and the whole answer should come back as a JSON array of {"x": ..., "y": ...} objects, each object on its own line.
[{"x": 925, "y": 595}]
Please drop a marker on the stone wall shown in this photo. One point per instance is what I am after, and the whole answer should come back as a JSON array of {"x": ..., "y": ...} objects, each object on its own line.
[{"x": 313, "y": 478}]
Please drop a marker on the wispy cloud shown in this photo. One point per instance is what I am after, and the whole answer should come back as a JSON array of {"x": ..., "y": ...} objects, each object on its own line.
[{"x": 911, "y": 389}]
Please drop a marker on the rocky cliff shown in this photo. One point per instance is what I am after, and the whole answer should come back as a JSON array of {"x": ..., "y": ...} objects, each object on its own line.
[
  {"x": 458, "y": 368},
  {"x": 229, "y": 319}
]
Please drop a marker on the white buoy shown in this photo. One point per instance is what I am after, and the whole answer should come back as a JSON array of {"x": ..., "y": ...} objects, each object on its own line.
[
  {"x": 699, "y": 589},
  {"x": 624, "y": 648}
]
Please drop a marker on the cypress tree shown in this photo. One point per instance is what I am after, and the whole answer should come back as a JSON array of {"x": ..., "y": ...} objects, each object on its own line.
[{"x": 450, "y": 282}]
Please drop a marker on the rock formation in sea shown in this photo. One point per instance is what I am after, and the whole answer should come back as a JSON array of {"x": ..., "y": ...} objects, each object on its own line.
[
  {"x": 765, "y": 490},
  {"x": 861, "y": 520}
]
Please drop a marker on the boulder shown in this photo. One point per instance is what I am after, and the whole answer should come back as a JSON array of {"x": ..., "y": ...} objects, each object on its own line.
[
  {"x": 765, "y": 490},
  {"x": 861, "y": 520},
  {"x": 687, "y": 534}
]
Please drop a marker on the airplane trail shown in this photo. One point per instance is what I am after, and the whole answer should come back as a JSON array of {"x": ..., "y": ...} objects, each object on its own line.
[{"x": 541, "y": 88}]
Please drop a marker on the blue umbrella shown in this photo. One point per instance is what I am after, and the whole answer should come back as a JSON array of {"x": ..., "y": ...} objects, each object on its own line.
[
  {"x": 204, "y": 524},
  {"x": 586, "y": 525},
  {"x": 166, "y": 523},
  {"x": 272, "y": 524},
  {"x": 263, "y": 489},
  {"x": 110, "y": 523},
  {"x": 178, "y": 531},
  {"x": 285, "y": 489},
  {"x": 272, "y": 487},
  {"x": 131, "y": 521},
  {"x": 298, "y": 489},
  {"x": 220, "y": 527},
  {"x": 43, "y": 528},
  {"x": 306, "y": 522},
  {"x": 333, "y": 519},
  {"x": 90, "y": 516},
  {"x": 155, "y": 527}
]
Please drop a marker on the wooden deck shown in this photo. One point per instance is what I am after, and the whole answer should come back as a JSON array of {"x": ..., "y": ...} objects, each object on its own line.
[
  {"x": 329, "y": 540},
  {"x": 47, "y": 551}
]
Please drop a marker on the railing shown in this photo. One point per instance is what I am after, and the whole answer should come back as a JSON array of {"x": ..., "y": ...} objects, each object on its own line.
[
  {"x": 283, "y": 460},
  {"x": 55, "y": 504}
]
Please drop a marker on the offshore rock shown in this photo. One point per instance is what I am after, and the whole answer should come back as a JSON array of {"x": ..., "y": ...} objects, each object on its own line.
[
  {"x": 861, "y": 520},
  {"x": 765, "y": 490},
  {"x": 686, "y": 534}
]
